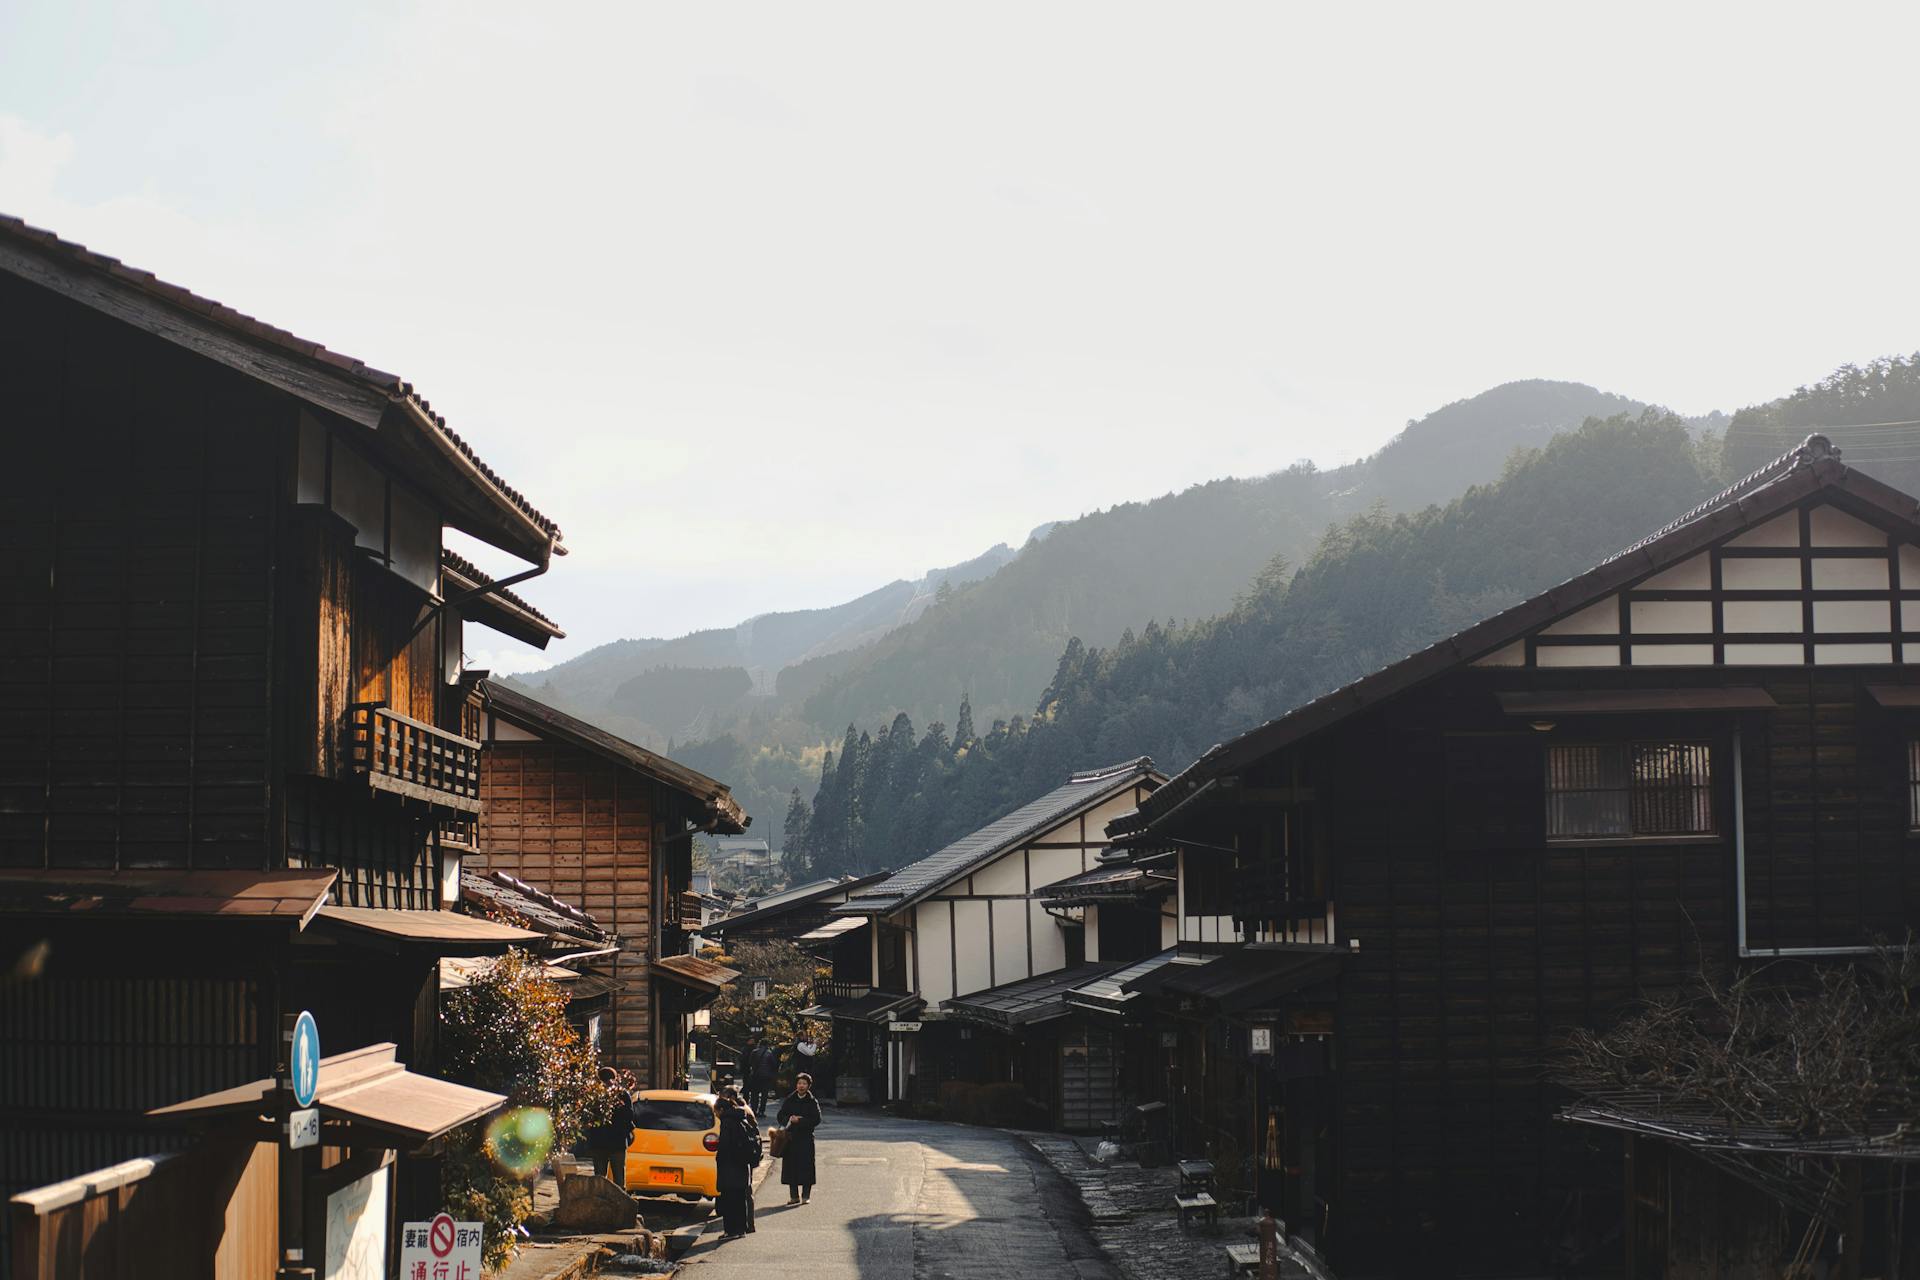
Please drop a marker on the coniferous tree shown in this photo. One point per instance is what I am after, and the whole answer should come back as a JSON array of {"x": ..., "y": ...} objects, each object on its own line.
[
  {"x": 963, "y": 726},
  {"x": 799, "y": 817}
]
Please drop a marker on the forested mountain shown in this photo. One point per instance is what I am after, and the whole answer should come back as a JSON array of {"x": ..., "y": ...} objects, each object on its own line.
[
  {"x": 761, "y": 702},
  {"x": 1374, "y": 589},
  {"x": 1871, "y": 411},
  {"x": 605, "y": 685}
]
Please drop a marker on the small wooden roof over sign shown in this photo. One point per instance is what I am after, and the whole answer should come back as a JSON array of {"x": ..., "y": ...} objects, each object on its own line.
[
  {"x": 442, "y": 932},
  {"x": 692, "y": 971},
  {"x": 367, "y": 1089}
]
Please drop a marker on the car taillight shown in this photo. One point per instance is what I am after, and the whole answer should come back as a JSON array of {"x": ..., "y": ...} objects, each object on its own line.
[{"x": 711, "y": 1142}]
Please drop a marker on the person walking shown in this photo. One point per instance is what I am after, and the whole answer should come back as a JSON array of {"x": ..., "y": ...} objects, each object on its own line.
[
  {"x": 800, "y": 1113},
  {"x": 738, "y": 1153},
  {"x": 607, "y": 1141},
  {"x": 763, "y": 1066}
]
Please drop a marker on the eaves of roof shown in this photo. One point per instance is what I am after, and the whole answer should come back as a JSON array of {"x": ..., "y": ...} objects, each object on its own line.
[
  {"x": 919, "y": 880},
  {"x": 330, "y": 381},
  {"x": 1812, "y": 467},
  {"x": 496, "y": 606},
  {"x": 761, "y": 915}
]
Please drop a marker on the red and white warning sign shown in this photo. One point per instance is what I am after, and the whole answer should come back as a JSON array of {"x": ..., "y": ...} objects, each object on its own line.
[{"x": 440, "y": 1250}]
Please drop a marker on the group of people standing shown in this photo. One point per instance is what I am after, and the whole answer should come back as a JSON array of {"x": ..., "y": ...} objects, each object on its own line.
[{"x": 741, "y": 1149}]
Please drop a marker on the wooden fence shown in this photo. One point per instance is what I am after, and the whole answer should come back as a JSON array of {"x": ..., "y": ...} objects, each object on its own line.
[{"x": 209, "y": 1212}]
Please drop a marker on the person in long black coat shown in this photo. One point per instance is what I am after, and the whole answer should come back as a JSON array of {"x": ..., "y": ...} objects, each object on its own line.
[
  {"x": 800, "y": 1113},
  {"x": 734, "y": 1161}
]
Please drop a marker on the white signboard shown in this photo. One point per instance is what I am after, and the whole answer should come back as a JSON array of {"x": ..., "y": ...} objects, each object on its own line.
[
  {"x": 1262, "y": 1040},
  {"x": 357, "y": 1229},
  {"x": 303, "y": 1129},
  {"x": 903, "y": 1026},
  {"x": 440, "y": 1250}
]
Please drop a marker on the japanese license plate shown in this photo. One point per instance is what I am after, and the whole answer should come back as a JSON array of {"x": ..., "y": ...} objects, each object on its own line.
[{"x": 666, "y": 1175}]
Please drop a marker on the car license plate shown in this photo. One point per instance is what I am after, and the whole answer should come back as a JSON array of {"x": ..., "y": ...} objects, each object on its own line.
[{"x": 667, "y": 1175}]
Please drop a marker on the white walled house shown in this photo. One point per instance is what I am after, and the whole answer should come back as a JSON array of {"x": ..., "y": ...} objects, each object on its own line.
[{"x": 973, "y": 919}]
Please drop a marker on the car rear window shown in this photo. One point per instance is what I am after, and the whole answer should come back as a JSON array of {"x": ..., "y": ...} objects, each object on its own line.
[{"x": 678, "y": 1117}]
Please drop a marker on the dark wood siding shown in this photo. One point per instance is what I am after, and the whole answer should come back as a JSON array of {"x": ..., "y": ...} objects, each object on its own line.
[
  {"x": 1477, "y": 952},
  {"x": 581, "y": 828},
  {"x": 136, "y": 597}
]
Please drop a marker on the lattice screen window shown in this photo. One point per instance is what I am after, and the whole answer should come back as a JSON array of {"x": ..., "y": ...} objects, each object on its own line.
[{"x": 1628, "y": 789}]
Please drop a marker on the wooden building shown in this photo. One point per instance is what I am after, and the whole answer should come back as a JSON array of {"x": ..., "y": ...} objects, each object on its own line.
[
  {"x": 576, "y": 812},
  {"x": 1704, "y": 749},
  {"x": 234, "y": 772},
  {"x": 965, "y": 923}
]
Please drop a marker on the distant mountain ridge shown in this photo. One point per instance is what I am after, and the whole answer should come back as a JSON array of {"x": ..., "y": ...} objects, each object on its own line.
[
  {"x": 997, "y": 634},
  {"x": 591, "y": 684}
]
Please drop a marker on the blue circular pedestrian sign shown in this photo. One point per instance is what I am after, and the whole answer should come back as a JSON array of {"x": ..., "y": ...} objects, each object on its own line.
[{"x": 304, "y": 1059}]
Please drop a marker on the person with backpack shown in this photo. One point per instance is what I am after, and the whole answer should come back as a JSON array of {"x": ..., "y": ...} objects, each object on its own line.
[
  {"x": 607, "y": 1141},
  {"x": 739, "y": 1152}
]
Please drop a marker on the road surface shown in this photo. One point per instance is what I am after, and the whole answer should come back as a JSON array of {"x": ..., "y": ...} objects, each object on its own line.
[{"x": 909, "y": 1198}]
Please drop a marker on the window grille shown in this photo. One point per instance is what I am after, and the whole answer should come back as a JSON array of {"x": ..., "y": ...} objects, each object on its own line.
[{"x": 1630, "y": 789}]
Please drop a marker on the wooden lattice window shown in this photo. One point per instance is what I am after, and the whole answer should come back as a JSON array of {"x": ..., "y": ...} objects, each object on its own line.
[{"x": 1629, "y": 790}]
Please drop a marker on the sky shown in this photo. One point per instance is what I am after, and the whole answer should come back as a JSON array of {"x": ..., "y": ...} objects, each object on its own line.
[{"x": 770, "y": 304}]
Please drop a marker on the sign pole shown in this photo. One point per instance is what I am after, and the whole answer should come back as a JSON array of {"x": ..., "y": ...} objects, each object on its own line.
[{"x": 297, "y": 1078}]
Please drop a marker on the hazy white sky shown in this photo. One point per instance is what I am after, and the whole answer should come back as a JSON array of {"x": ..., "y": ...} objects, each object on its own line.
[{"x": 770, "y": 304}]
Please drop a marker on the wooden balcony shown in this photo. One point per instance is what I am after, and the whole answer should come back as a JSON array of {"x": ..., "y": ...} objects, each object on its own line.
[
  {"x": 409, "y": 758},
  {"x": 831, "y": 989}
]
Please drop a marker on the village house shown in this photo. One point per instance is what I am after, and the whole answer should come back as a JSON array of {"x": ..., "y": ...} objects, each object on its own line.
[
  {"x": 1396, "y": 899},
  {"x": 576, "y": 812},
  {"x": 936, "y": 950},
  {"x": 238, "y": 776}
]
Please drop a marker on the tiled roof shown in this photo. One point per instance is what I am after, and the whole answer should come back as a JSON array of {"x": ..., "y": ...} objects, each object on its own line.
[
  {"x": 1029, "y": 1000},
  {"x": 468, "y": 570},
  {"x": 540, "y": 910},
  {"x": 1810, "y": 468},
  {"x": 1080, "y": 792},
  {"x": 1121, "y": 880},
  {"x": 1108, "y": 992},
  {"x": 259, "y": 331}
]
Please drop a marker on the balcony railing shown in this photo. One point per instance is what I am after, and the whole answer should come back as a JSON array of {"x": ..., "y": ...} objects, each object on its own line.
[
  {"x": 830, "y": 989},
  {"x": 410, "y": 758}
]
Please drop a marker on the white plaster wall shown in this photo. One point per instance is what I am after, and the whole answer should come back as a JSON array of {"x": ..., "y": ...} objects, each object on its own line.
[
  {"x": 1672, "y": 615},
  {"x": 936, "y": 954},
  {"x": 1004, "y": 874},
  {"x": 1049, "y": 942},
  {"x": 1764, "y": 655},
  {"x": 1169, "y": 931},
  {"x": 1760, "y": 615},
  {"x": 1100, "y": 815},
  {"x": 1053, "y": 865},
  {"x": 1849, "y": 575},
  {"x": 1602, "y": 619},
  {"x": 1093, "y": 932},
  {"x": 1852, "y": 615},
  {"x": 1832, "y": 527},
  {"x": 1673, "y": 655},
  {"x": 1781, "y": 531},
  {"x": 1695, "y": 573},
  {"x": 1909, "y": 566},
  {"x": 1826, "y": 655},
  {"x": 1760, "y": 575},
  {"x": 1009, "y": 940},
  {"x": 972, "y": 973}
]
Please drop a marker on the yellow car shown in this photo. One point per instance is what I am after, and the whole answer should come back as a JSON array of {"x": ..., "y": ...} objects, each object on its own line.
[{"x": 674, "y": 1139}]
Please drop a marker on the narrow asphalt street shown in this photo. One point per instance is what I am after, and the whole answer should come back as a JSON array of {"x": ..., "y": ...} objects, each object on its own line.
[{"x": 901, "y": 1198}]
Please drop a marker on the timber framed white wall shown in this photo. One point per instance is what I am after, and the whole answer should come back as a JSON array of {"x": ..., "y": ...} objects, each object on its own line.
[
  {"x": 1813, "y": 586},
  {"x": 985, "y": 930}
]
